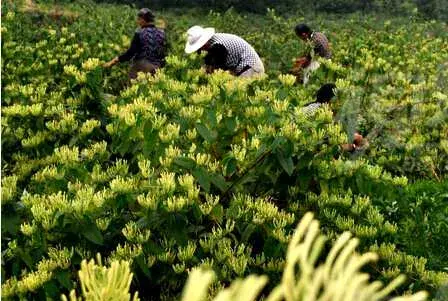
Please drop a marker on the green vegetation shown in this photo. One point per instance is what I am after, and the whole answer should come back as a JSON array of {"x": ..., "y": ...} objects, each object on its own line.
[
  {"x": 341, "y": 269},
  {"x": 185, "y": 170}
]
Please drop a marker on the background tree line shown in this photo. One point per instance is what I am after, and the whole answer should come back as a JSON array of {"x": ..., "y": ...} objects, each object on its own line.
[{"x": 437, "y": 9}]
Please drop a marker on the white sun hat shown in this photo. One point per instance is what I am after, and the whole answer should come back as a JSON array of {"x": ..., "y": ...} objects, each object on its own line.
[{"x": 198, "y": 37}]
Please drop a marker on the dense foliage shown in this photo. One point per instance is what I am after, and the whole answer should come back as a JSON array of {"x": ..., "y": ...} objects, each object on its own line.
[
  {"x": 184, "y": 169},
  {"x": 302, "y": 279}
]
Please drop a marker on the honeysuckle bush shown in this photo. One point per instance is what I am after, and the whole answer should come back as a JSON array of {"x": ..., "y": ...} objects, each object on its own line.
[
  {"x": 394, "y": 71},
  {"x": 338, "y": 278},
  {"x": 184, "y": 169}
]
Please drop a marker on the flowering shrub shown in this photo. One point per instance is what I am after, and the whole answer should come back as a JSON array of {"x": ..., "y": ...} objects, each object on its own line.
[
  {"x": 184, "y": 169},
  {"x": 341, "y": 269}
]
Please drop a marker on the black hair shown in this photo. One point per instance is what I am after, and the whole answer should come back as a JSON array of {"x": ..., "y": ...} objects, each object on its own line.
[
  {"x": 216, "y": 57},
  {"x": 325, "y": 93},
  {"x": 302, "y": 28},
  {"x": 146, "y": 15}
]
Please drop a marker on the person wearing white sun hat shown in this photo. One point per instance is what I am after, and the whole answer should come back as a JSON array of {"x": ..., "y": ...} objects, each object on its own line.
[{"x": 224, "y": 51}]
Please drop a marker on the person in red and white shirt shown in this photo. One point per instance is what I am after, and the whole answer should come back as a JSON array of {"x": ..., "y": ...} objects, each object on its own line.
[{"x": 320, "y": 47}]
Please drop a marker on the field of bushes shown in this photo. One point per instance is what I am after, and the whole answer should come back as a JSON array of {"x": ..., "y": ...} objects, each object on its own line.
[{"x": 183, "y": 169}]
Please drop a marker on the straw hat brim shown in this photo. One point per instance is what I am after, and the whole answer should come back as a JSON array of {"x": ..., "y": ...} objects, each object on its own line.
[{"x": 205, "y": 37}]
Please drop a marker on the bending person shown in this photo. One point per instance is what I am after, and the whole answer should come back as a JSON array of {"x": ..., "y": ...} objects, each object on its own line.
[{"x": 224, "y": 51}]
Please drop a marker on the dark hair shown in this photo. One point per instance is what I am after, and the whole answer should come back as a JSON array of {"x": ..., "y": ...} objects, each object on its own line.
[
  {"x": 302, "y": 28},
  {"x": 325, "y": 93},
  {"x": 146, "y": 15}
]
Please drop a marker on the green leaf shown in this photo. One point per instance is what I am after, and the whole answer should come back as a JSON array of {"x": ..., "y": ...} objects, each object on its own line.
[
  {"x": 217, "y": 213},
  {"x": 203, "y": 178},
  {"x": 93, "y": 234},
  {"x": 286, "y": 163},
  {"x": 277, "y": 142},
  {"x": 229, "y": 163},
  {"x": 63, "y": 278},
  {"x": 197, "y": 213},
  {"x": 124, "y": 147},
  {"x": 304, "y": 161},
  {"x": 282, "y": 94},
  {"x": 222, "y": 93},
  {"x": 220, "y": 182},
  {"x": 185, "y": 162},
  {"x": 25, "y": 256},
  {"x": 73, "y": 141},
  {"x": 261, "y": 150},
  {"x": 10, "y": 223},
  {"x": 205, "y": 132},
  {"x": 211, "y": 118},
  {"x": 143, "y": 266},
  {"x": 272, "y": 248},
  {"x": 147, "y": 129},
  {"x": 247, "y": 233},
  {"x": 150, "y": 141},
  {"x": 230, "y": 123},
  {"x": 51, "y": 290}
]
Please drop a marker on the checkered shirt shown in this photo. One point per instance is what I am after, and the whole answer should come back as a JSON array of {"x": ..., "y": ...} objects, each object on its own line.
[
  {"x": 239, "y": 53},
  {"x": 311, "y": 109},
  {"x": 321, "y": 45}
]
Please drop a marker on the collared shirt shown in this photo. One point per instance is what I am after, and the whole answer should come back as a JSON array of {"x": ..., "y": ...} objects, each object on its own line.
[
  {"x": 238, "y": 53},
  {"x": 321, "y": 45},
  {"x": 148, "y": 43}
]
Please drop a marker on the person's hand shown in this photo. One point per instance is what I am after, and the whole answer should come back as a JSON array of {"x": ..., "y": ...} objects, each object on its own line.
[
  {"x": 300, "y": 63},
  {"x": 358, "y": 139},
  {"x": 111, "y": 63},
  {"x": 306, "y": 62},
  {"x": 360, "y": 142},
  {"x": 348, "y": 147}
]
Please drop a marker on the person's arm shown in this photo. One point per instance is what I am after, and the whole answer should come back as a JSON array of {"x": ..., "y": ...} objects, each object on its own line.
[
  {"x": 130, "y": 53},
  {"x": 320, "y": 50},
  {"x": 111, "y": 62}
]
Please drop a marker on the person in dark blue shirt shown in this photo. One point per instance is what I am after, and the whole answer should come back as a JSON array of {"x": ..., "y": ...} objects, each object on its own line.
[{"x": 148, "y": 47}]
